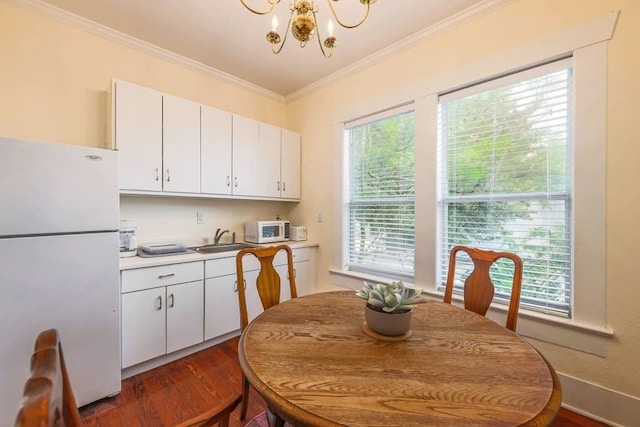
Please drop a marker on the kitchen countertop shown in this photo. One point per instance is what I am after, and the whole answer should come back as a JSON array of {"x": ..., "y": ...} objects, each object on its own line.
[{"x": 138, "y": 262}]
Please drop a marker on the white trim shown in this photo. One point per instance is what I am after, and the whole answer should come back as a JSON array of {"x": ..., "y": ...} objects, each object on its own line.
[
  {"x": 587, "y": 330},
  {"x": 110, "y": 34},
  {"x": 599, "y": 403},
  {"x": 448, "y": 24},
  {"x": 543, "y": 50}
]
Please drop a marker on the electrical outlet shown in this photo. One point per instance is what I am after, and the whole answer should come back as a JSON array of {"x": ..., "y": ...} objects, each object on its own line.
[{"x": 200, "y": 217}]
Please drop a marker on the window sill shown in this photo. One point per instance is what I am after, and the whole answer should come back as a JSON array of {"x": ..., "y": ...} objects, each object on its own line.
[{"x": 539, "y": 326}]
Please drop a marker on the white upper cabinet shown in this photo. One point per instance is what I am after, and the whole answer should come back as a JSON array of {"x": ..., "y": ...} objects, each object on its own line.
[
  {"x": 269, "y": 184},
  {"x": 215, "y": 151},
  {"x": 290, "y": 165},
  {"x": 175, "y": 146},
  {"x": 181, "y": 145},
  {"x": 138, "y": 136}
]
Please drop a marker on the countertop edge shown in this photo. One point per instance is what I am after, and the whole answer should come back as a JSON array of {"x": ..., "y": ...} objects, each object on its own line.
[{"x": 130, "y": 263}]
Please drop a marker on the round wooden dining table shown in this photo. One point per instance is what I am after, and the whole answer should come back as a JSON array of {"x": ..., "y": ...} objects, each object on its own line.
[{"x": 311, "y": 360}]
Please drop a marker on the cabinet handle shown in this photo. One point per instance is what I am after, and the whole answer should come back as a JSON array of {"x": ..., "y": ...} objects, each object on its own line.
[
  {"x": 278, "y": 185},
  {"x": 168, "y": 176},
  {"x": 235, "y": 181},
  {"x": 228, "y": 181},
  {"x": 284, "y": 188},
  {"x": 295, "y": 273},
  {"x": 235, "y": 285},
  {"x": 159, "y": 303},
  {"x": 164, "y": 276},
  {"x": 157, "y": 175},
  {"x": 171, "y": 299}
]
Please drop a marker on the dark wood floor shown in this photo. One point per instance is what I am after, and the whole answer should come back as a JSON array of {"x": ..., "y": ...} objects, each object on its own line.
[{"x": 187, "y": 387}]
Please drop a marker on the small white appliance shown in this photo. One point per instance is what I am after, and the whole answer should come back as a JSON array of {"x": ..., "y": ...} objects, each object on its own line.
[
  {"x": 128, "y": 241},
  {"x": 298, "y": 233},
  {"x": 60, "y": 265},
  {"x": 266, "y": 231}
]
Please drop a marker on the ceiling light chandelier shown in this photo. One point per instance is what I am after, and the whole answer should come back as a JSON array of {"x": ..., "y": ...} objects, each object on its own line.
[{"x": 303, "y": 24}]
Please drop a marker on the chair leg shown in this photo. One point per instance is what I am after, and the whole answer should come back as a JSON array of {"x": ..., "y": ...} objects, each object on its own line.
[{"x": 245, "y": 397}]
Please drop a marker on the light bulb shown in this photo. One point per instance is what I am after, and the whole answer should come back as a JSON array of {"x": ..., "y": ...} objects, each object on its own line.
[
  {"x": 330, "y": 28},
  {"x": 274, "y": 23}
]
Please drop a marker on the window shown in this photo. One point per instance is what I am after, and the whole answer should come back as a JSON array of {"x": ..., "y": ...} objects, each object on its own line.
[
  {"x": 504, "y": 168},
  {"x": 379, "y": 194}
]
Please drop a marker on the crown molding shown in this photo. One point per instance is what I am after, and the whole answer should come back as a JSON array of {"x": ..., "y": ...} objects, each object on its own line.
[
  {"x": 448, "y": 24},
  {"x": 110, "y": 34}
]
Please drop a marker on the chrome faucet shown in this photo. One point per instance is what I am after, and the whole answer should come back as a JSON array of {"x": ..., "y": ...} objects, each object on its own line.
[{"x": 216, "y": 238}]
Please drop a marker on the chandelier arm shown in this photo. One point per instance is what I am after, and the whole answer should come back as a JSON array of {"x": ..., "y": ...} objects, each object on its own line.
[
  {"x": 335, "y": 15},
  {"x": 284, "y": 39},
  {"x": 319, "y": 39},
  {"x": 272, "y": 2}
]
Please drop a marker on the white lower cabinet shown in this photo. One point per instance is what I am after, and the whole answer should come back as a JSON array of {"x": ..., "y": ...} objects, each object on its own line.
[
  {"x": 159, "y": 313},
  {"x": 143, "y": 326},
  {"x": 221, "y": 306}
]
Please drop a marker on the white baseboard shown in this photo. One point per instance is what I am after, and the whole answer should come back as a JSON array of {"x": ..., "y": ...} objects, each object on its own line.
[{"x": 599, "y": 403}]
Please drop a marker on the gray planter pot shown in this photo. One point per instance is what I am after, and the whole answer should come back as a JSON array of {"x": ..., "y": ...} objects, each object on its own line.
[{"x": 389, "y": 324}]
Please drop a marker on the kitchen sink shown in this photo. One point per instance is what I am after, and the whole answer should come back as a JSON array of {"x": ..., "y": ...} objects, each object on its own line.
[{"x": 214, "y": 249}]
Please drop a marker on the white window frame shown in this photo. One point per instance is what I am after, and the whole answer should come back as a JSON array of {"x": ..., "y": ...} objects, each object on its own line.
[
  {"x": 586, "y": 44},
  {"x": 389, "y": 113}
]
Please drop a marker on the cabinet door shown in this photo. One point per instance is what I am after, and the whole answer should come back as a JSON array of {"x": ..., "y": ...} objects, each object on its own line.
[
  {"x": 215, "y": 151},
  {"x": 181, "y": 145},
  {"x": 138, "y": 136},
  {"x": 285, "y": 292},
  {"x": 143, "y": 326},
  {"x": 269, "y": 183},
  {"x": 185, "y": 315},
  {"x": 254, "y": 305},
  {"x": 222, "y": 310},
  {"x": 302, "y": 271},
  {"x": 246, "y": 157},
  {"x": 290, "y": 165}
]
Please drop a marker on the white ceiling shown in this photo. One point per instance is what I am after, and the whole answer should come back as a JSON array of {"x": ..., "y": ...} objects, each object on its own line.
[{"x": 225, "y": 36}]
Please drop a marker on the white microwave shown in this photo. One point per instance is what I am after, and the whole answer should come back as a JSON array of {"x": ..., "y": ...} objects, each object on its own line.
[{"x": 266, "y": 231}]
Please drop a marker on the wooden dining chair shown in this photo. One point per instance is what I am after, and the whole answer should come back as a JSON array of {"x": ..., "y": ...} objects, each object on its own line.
[
  {"x": 48, "y": 399},
  {"x": 268, "y": 286},
  {"x": 478, "y": 287}
]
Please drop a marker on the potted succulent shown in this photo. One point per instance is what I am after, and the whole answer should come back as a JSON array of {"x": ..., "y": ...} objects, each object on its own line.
[{"x": 388, "y": 308}]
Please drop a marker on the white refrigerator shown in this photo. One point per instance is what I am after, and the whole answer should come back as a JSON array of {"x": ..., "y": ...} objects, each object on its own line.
[{"x": 59, "y": 265}]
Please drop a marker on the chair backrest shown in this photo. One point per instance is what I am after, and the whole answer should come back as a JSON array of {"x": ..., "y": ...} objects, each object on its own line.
[
  {"x": 48, "y": 399},
  {"x": 268, "y": 281},
  {"x": 478, "y": 287}
]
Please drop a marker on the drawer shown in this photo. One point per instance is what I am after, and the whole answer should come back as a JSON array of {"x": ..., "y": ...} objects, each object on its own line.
[
  {"x": 300, "y": 254},
  {"x": 219, "y": 267},
  {"x": 161, "y": 275}
]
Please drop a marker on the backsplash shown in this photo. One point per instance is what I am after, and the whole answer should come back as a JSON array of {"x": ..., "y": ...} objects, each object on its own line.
[{"x": 175, "y": 219}]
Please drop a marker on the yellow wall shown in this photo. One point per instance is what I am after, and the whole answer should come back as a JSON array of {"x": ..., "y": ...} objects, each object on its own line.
[
  {"x": 55, "y": 84},
  {"x": 515, "y": 24},
  {"x": 55, "y": 80}
]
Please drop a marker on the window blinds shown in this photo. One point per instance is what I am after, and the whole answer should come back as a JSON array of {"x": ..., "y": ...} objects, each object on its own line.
[
  {"x": 505, "y": 180},
  {"x": 379, "y": 193}
]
